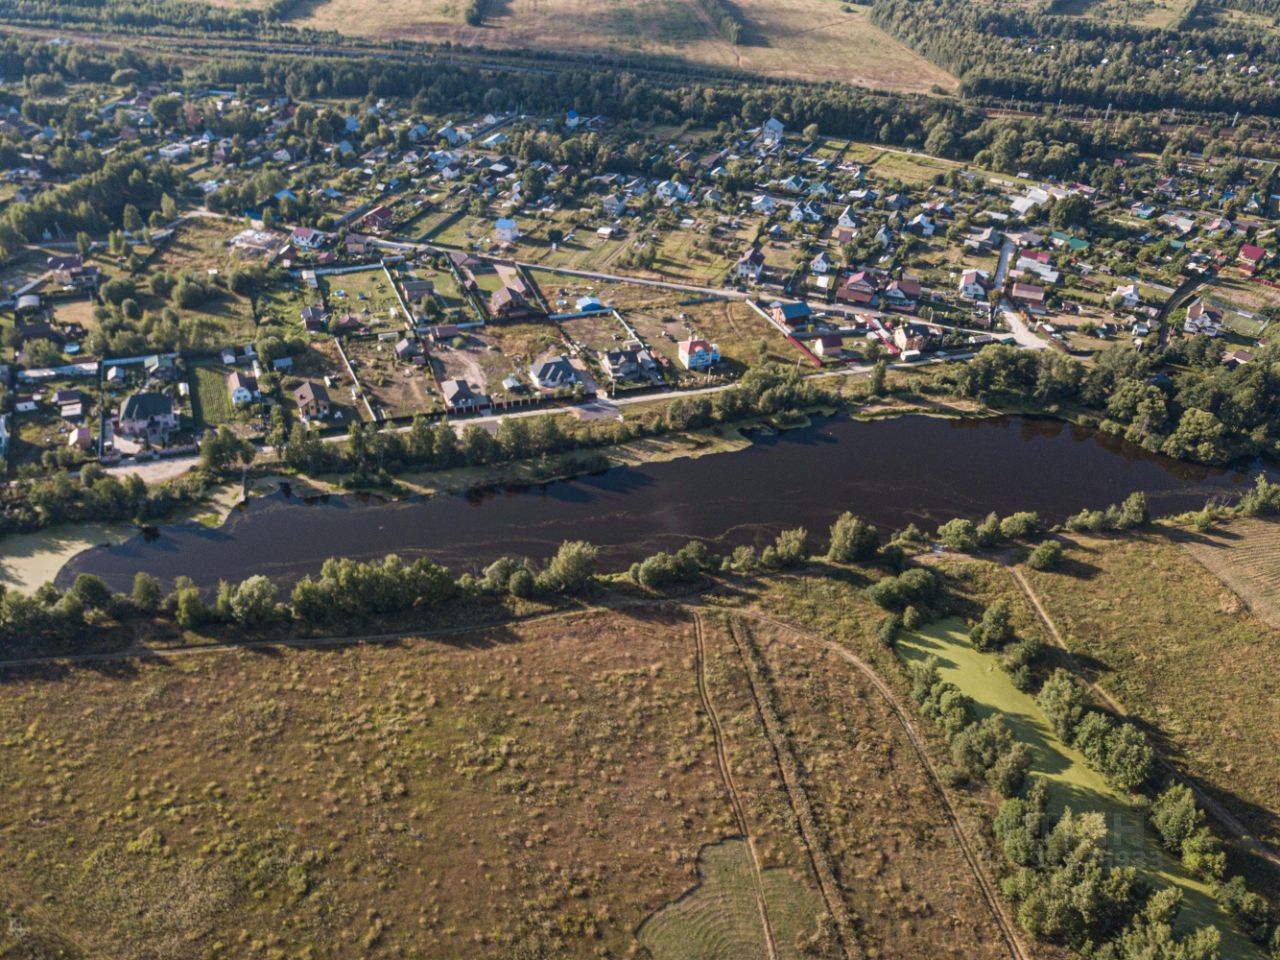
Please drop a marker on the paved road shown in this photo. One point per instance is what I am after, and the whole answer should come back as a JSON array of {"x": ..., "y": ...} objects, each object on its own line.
[{"x": 1002, "y": 268}]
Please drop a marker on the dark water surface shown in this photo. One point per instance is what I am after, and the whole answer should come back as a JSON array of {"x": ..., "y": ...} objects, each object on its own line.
[{"x": 893, "y": 472}]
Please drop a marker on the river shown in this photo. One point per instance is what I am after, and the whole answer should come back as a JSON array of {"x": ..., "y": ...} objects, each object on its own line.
[{"x": 894, "y": 472}]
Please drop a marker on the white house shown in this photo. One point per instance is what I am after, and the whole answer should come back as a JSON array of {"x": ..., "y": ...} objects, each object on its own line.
[
  {"x": 1128, "y": 296},
  {"x": 750, "y": 264},
  {"x": 772, "y": 130},
  {"x": 241, "y": 388},
  {"x": 506, "y": 231},
  {"x": 763, "y": 203},
  {"x": 698, "y": 354}
]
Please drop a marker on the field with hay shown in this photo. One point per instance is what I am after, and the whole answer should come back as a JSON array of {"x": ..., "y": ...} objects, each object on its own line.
[
  {"x": 576, "y": 786},
  {"x": 817, "y": 40}
]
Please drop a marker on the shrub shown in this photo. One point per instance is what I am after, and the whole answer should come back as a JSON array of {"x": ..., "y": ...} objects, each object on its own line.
[
  {"x": 791, "y": 548},
  {"x": 1046, "y": 556},
  {"x": 1021, "y": 526},
  {"x": 147, "y": 595},
  {"x": 571, "y": 569},
  {"x": 254, "y": 601},
  {"x": 887, "y": 632},
  {"x": 521, "y": 584},
  {"x": 1062, "y": 701},
  {"x": 959, "y": 534}
]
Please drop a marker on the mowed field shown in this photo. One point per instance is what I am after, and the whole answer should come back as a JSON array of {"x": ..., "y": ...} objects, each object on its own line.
[
  {"x": 803, "y": 39},
  {"x": 1181, "y": 652},
  {"x": 575, "y": 787}
]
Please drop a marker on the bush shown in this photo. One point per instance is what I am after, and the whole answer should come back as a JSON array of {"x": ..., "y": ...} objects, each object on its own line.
[
  {"x": 146, "y": 595},
  {"x": 1021, "y": 526},
  {"x": 791, "y": 548},
  {"x": 254, "y": 601},
  {"x": 521, "y": 584},
  {"x": 887, "y": 632},
  {"x": 1046, "y": 556},
  {"x": 959, "y": 535}
]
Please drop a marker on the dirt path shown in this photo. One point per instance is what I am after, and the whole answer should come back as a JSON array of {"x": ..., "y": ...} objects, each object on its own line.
[
  {"x": 1226, "y": 819},
  {"x": 985, "y": 883},
  {"x": 731, "y": 788},
  {"x": 785, "y": 763}
]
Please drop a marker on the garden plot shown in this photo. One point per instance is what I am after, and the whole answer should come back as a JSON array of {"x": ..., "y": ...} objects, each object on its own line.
[
  {"x": 398, "y": 388},
  {"x": 320, "y": 363},
  {"x": 366, "y": 293},
  {"x": 477, "y": 357}
]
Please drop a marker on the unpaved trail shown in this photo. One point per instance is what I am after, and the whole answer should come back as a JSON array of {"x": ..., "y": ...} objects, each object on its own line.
[
  {"x": 731, "y": 788},
  {"x": 785, "y": 763},
  {"x": 985, "y": 883},
  {"x": 1226, "y": 819}
]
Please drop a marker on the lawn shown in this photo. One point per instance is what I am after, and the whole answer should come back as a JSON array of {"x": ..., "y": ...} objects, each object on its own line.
[
  {"x": 1182, "y": 652},
  {"x": 1072, "y": 783},
  {"x": 210, "y": 402}
]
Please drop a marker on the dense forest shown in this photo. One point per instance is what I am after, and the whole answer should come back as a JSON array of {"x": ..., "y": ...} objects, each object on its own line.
[{"x": 1011, "y": 53}]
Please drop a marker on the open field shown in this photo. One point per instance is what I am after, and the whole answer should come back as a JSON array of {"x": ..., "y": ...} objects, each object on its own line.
[
  {"x": 1182, "y": 653},
  {"x": 552, "y": 789},
  {"x": 1246, "y": 557},
  {"x": 1072, "y": 783},
  {"x": 804, "y": 39}
]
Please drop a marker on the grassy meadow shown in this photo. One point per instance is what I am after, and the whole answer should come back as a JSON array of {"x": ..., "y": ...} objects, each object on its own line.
[{"x": 1182, "y": 652}]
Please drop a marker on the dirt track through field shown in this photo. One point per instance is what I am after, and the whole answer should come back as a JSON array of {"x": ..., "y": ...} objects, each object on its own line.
[
  {"x": 785, "y": 763},
  {"x": 985, "y": 884},
  {"x": 1227, "y": 820},
  {"x": 731, "y": 788}
]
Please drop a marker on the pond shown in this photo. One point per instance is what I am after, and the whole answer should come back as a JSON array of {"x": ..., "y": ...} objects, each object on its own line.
[{"x": 916, "y": 469}]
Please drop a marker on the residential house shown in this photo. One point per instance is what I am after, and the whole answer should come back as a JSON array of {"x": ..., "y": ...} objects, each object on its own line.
[
  {"x": 160, "y": 369},
  {"x": 6, "y": 432},
  {"x": 506, "y": 230},
  {"x": 1128, "y": 296},
  {"x": 308, "y": 238},
  {"x": 379, "y": 218},
  {"x": 416, "y": 291},
  {"x": 828, "y": 346},
  {"x": 147, "y": 416},
  {"x": 242, "y": 388},
  {"x": 982, "y": 240},
  {"x": 312, "y": 400},
  {"x": 697, "y": 354},
  {"x": 1203, "y": 319},
  {"x": 792, "y": 316},
  {"x": 1028, "y": 295},
  {"x": 406, "y": 349},
  {"x": 763, "y": 203},
  {"x": 848, "y": 219},
  {"x": 820, "y": 264},
  {"x": 772, "y": 131},
  {"x": 509, "y": 304},
  {"x": 632, "y": 363},
  {"x": 859, "y": 289},
  {"x": 554, "y": 374},
  {"x": 974, "y": 285},
  {"x": 459, "y": 396},
  {"x": 1251, "y": 257},
  {"x": 315, "y": 317},
  {"x": 750, "y": 264},
  {"x": 902, "y": 295}
]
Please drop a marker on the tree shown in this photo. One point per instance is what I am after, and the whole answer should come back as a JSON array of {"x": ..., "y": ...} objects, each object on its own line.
[
  {"x": 1062, "y": 701},
  {"x": 166, "y": 109},
  {"x": 791, "y": 548},
  {"x": 572, "y": 568},
  {"x": 91, "y": 591},
  {"x": 996, "y": 627},
  {"x": 147, "y": 594},
  {"x": 876, "y": 385},
  {"x": 1200, "y": 436},
  {"x": 852, "y": 540},
  {"x": 1073, "y": 210},
  {"x": 222, "y": 449},
  {"x": 1175, "y": 816},
  {"x": 254, "y": 601}
]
